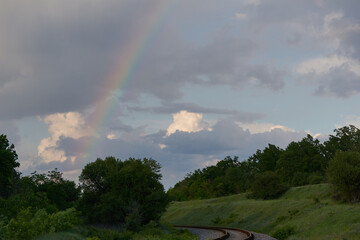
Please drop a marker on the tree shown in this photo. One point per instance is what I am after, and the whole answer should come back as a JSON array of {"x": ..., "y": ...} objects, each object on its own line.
[
  {"x": 344, "y": 175},
  {"x": 266, "y": 160},
  {"x": 300, "y": 160},
  {"x": 345, "y": 139},
  {"x": 8, "y": 163},
  {"x": 122, "y": 192},
  {"x": 60, "y": 192},
  {"x": 267, "y": 185}
]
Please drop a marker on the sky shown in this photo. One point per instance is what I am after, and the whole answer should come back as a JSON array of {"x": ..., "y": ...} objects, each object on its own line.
[{"x": 186, "y": 83}]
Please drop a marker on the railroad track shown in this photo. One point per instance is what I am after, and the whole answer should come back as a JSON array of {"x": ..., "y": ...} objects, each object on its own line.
[{"x": 222, "y": 233}]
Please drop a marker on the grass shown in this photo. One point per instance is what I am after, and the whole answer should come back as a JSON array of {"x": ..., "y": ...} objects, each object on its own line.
[
  {"x": 161, "y": 232},
  {"x": 308, "y": 210}
]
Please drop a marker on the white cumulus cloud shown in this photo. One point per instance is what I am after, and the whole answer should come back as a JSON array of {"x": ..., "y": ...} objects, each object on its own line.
[
  {"x": 69, "y": 125},
  {"x": 263, "y": 127},
  {"x": 185, "y": 121}
]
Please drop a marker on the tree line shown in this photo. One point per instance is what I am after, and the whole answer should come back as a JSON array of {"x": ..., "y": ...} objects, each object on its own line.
[{"x": 271, "y": 171}]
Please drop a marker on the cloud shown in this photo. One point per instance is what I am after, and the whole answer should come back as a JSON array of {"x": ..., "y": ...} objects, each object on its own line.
[
  {"x": 57, "y": 57},
  {"x": 324, "y": 65},
  {"x": 174, "y": 107},
  {"x": 192, "y": 146},
  {"x": 263, "y": 127},
  {"x": 227, "y": 137},
  {"x": 241, "y": 16},
  {"x": 252, "y": 2},
  {"x": 335, "y": 75},
  {"x": 11, "y": 130},
  {"x": 61, "y": 125},
  {"x": 185, "y": 121}
]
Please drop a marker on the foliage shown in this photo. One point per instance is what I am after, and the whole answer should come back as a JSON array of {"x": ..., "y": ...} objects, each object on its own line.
[
  {"x": 299, "y": 164},
  {"x": 60, "y": 192},
  {"x": 266, "y": 160},
  {"x": 229, "y": 176},
  {"x": 299, "y": 160},
  {"x": 8, "y": 163},
  {"x": 267, "y": 185},
  {"x": 11, "y": 207},
  {"x": 122, "y": 192},
  {"x": 344, "y": 174},
  {"x": 284, "y": 232},
  {"x": 345, "y": 139},
  {"x": 108, "y": 234},
  {"x": 29, "y": 224}
]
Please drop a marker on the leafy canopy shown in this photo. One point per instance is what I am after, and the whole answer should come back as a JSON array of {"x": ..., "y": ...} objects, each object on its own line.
[
  {"x": 122, "y": 192},
  {"x": 8, "y": 163}
]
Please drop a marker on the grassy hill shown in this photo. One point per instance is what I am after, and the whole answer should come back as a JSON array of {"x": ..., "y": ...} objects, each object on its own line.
[{"x": 308, "y": 210}]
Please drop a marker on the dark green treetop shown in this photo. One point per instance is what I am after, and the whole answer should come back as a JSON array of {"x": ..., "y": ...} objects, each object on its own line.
[{"x": 8, "y": 163}]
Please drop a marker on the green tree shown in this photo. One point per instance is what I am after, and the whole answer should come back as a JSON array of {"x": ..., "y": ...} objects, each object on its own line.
[
  {"x": 8, "y": 163},
  {"x": 300, "y": 160},
  {"x": 266, "y": 160},
  {"x": 267, "y": 185},
  {"x": 122, "y": 192},
  {"x": 60, "y": 192},
  {"x": 344, "y": 175},
  {"x": 346, "y": 138}
]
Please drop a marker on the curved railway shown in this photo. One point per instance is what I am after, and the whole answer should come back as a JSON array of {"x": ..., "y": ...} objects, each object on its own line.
[{"x": 220, "y": 233}]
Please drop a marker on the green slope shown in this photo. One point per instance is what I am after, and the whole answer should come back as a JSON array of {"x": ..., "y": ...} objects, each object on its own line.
[{"x": 309, "y": 209}]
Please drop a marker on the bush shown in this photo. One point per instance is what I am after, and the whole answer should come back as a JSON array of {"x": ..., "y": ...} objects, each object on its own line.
[
  {"x": 344, "y": 175},
  {"x": 216, "y": 220},
  {"x": 107, "y": 234},
  {"x": 299, "y": 179},
  {"x": 29, "y": 224},
  {"x": 315, "y": 179},
  {"x": 64, "y": 220},
  {"x": 267, "y": 186},
  {"x": 283, "y": 232}
]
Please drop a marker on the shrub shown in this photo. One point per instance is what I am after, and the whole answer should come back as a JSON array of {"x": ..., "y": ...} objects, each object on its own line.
[
  {"x": 267, "y": 186},
  {"x": 63, "y": 220},
  {"x": 300, "y": 179},
  {"x": 315, "y": 178},
  {"x": 216, "y": 220},
  {"x": 344, "y": 175},
  {"x": 283, "y": 232},
  {"x": 29, "y": 224},
  {"x": 107, "y": 234}
]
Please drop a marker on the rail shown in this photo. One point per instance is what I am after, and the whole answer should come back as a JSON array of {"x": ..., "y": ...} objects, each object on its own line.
[{"x": 223, "y": 230}]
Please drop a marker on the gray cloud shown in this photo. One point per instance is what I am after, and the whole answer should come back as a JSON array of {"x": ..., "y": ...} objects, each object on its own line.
[
  {"x": 227, "y": 137},
  {"x": 184, "y": 152},
  {"x": 56, "y": 57},
  {"x": 172, "y": 107},
  {"x": 339, "y": 82},
  {"x": 10, "y": 129}
]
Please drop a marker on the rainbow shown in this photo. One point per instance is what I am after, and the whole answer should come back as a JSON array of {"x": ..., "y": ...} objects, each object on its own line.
[{"x": 122, "y": 72}]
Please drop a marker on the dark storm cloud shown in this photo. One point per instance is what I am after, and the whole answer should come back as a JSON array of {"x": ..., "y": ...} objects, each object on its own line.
[{"x": 56, "y": 56}]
